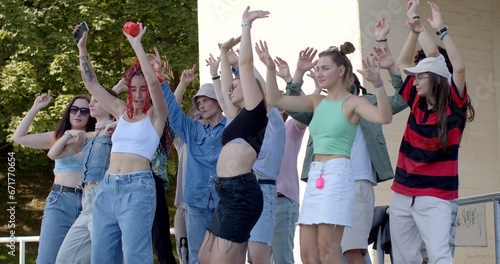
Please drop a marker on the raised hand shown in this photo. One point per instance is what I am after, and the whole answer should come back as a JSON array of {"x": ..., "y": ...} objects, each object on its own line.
[
  {"x": 371, "y": 70},
  {"x": 384, "y": 57},
  {"x": 213, "y": 64},
  {"x": 189, "y": 75},
  {"x": 249, "y": 16},
  {"x": 382, "y": 29},
  {"x": 229, "y": 44},
  {"x": 283, "y": 69},
  {"x": 312, "y": 75},
  {"x": 436, "y": 21},
  {"x": 83, "y": 40},
  {"x": 412, "y": 6},
  {"x": 305, "y": 61},
  {"x": 137, "y": 39},
  {"x": 263, "y": 52},
  {"x": 155, "y": 60},
  {"x": 42, "y": 100}
]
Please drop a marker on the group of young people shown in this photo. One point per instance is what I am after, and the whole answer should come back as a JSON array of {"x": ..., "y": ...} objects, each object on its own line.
[{"x": 237, "y": 187}]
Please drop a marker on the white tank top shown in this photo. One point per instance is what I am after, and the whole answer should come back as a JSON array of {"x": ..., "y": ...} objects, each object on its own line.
[{"x": 137, "y": 138}]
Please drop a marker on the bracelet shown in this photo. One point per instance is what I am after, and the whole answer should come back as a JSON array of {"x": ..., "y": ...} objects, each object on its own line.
[
  {"x": 378, "y": 84},
  {"x": 415, "y": 17},
  {"x": 415, "y": 32},
  {"x": 441, "y": 31},
  {"x": 444, "y": 35},
  {"x": 246, "y": 23},
  {"x": 215, "y": 77},
  {"x": 381, "y": 40}
]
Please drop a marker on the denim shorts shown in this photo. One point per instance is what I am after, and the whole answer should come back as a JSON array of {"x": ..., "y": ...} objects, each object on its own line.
[
  {"x": 263, "y": 230},
  {"x": 239, "y": 208}
]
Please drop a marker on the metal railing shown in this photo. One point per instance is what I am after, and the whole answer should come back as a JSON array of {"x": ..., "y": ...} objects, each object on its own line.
[
  {"x": 478, "y": 199},
  {"x": 22, "y": 243}
]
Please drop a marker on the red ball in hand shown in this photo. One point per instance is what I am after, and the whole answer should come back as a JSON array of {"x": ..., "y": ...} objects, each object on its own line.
[{"x": 131, "y": 28}]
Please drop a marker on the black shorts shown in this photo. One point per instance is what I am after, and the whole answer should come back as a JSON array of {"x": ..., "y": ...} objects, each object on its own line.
[{"x": 239, "y": 208}]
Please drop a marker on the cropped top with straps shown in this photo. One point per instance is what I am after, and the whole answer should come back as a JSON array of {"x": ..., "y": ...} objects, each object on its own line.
[
  {"x": 332, "y": 133},
  {"x": 249, "y": 125},
  {"x": 138, "y": 138}
]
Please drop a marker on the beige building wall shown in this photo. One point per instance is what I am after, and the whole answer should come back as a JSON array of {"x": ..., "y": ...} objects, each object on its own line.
[{"x": 474, "y": 26}]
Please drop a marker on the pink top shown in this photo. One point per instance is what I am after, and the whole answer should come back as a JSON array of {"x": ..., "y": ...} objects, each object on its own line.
[{"x": 288, "y": 179}]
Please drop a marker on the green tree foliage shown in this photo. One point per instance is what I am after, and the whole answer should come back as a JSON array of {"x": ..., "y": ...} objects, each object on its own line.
[{"x": 38, "y": 53}]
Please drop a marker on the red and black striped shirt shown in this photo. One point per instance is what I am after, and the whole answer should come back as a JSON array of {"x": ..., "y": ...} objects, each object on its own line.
[{"x": 423, "y": 168}]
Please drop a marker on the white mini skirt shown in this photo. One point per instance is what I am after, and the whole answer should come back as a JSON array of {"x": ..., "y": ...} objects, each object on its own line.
[{"x": 333, "y": 202}]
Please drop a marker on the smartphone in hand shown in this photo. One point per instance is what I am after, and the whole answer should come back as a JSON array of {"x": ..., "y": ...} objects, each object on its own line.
[{"x": 79, "y": 32}]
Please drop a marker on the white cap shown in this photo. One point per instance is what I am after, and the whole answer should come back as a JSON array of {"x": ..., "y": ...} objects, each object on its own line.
[
  {"x": 207, "y": 89},
  {"x": 431, "y": 64}
]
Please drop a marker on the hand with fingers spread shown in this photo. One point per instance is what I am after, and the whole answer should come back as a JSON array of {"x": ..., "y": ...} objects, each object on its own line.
[
  {"x": 371, "y": 70},
  {"x": 436, "y": 21},
  {"x": 312, "y": 74},
  {"x": 42, "y": 101},
  {"x": 383, "y": 57},
  {"x": 305, "y": 61},
  {"x": 249, "y": 16},
  {"x": 213, "y": 64},
  {"x": 283, "y": 69},
  {"x": 263, "y": 52},
  {"x": 189, "y": 75},
  {"x": 382, "y": 29}
]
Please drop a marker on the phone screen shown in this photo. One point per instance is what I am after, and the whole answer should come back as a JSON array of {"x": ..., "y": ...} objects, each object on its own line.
[{"x": 79, "y": 32}]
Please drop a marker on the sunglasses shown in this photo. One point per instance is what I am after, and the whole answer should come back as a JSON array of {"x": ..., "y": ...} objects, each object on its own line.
[
  {"x": 197, "y": 116},
  {"x": 84, "y": 111}
]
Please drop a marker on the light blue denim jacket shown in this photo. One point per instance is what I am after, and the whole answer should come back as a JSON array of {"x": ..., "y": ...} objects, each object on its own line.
[
  {"x": 95, "y": 153},
  {"x": 204, "y": 145}
]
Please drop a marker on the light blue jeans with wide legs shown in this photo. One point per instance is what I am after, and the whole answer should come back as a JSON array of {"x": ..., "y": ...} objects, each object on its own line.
[
  {"x": 124, "y": 209},
  {"x": 61, "y": 211},
  {"x": 197, "y": 220}
]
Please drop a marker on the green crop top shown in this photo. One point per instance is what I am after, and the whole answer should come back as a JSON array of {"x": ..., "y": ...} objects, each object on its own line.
[{"x": 331, "y": 131}]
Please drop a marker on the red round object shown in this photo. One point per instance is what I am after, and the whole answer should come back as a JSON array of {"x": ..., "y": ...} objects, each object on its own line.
[{"x": 131, "y": 28}]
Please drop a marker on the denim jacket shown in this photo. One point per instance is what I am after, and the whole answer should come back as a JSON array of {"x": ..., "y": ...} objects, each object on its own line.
[
  {"x": 95, "y": 154},
  {"x": 204, "y": 145},
  {"x": 373, "y": 133}
]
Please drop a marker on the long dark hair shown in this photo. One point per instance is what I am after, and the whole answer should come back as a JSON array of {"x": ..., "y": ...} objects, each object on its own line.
[
  {"x": 65, "y": 124},
  {"x": 339, "y": 57}
]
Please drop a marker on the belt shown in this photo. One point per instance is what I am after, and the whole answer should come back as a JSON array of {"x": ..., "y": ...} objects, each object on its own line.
[
  {"x": 61, "y": 188},
  {"x": 281, "y": 195},
  {"x": 262, "y": 181}
]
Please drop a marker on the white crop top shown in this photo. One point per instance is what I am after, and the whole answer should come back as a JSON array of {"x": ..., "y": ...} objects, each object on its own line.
[{"x": 137, "y": 138}]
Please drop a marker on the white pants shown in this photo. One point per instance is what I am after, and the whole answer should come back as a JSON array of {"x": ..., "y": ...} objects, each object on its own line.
[{"x": 417, "y": 219}]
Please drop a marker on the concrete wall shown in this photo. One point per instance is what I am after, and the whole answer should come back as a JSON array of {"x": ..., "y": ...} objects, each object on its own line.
[{"x": 474, "y": 26}]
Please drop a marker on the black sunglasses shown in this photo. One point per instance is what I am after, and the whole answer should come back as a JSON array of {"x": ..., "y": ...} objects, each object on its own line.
[
  {"x": 197, "y": 116},
  {"x": 84, "y": 111}
]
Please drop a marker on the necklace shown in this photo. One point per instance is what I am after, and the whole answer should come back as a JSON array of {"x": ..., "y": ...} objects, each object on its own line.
[{"x": 103, "y": 124}]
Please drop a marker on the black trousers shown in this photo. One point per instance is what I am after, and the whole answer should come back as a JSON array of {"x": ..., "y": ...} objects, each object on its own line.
[{"x": 161, "y": 226}]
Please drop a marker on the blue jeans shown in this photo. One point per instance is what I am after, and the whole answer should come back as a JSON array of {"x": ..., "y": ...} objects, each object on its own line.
[
  {"x": 287, "y": 214},
  {"x": 61, "y": 211},
  {"x": 197, "y": 220},
  {"x": 124, "y": 209}
]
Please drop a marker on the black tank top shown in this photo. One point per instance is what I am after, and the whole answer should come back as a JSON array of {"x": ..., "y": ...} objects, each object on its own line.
[{"x": 248, "y": 125}]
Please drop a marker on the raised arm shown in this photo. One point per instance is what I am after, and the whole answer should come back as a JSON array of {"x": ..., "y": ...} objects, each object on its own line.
[
  {"x": 213, "y": 64},
  {"x": 227, "y": 56},
  {"x": 456, "y": 60},
  {"x": 304, "y": 64},
  {"x": 425, "y": 38},
  {"x": 34, "y": 141},
  {"x": 63, "y": 148},
  {"x": 273, "y": 95},
  {"x": 111, "y": 104},
  {"x": 382, "y": 29},
  {"x": 382, "y": 113},
  {"x": 159, "y": 105},
  {"x": 187, "y": 77},
  {"x": 249, "y": 86}
]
